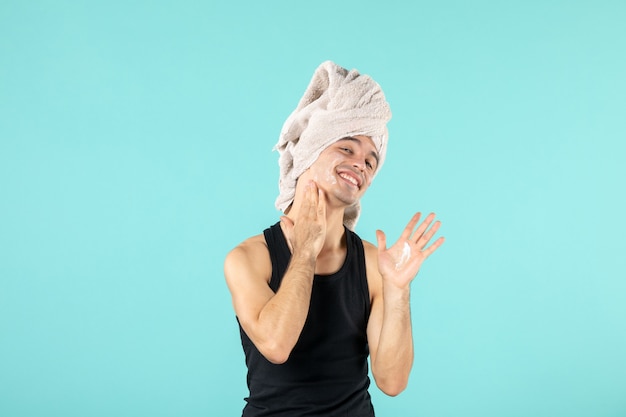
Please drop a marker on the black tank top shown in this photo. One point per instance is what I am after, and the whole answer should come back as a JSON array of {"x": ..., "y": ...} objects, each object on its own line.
[{"x": 326, "y": 374}]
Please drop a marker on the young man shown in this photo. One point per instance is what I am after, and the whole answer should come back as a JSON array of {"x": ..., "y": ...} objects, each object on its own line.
[{"x": 312, "y": 299}]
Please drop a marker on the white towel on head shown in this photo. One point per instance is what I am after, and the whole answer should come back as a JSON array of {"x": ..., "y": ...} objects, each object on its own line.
[{"x": 337, "y": 103}]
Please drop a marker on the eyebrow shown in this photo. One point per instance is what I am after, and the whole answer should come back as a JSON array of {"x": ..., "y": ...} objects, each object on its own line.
[{"x": 353, "y": 139}]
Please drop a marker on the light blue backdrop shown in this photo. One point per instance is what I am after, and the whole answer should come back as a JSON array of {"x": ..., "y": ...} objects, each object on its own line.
[{"x": 135, "y": 151}]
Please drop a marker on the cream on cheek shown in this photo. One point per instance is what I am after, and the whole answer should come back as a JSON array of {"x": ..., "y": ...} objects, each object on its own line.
[
  {"x": 330, "y": 175},
  {"x": 327, "y": 174}
]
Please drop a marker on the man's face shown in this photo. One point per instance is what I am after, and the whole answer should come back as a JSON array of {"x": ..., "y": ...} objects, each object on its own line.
[{"x": 345, "y": 169}]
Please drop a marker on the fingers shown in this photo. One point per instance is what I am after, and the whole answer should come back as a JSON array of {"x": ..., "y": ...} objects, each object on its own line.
[
  {"x": 311, "y": 200},
  {"x": 423, "y": 234},
  {"x": 422, "y": 227},
  {"x": 429, "y": 250},
  {"x": 310, "y": 221},
  {"x": 409, "y": 227},
  {"x": 429, "y": 234},
  {"x": 314, "y": 203},
  {"x": 321, "y": 204}
]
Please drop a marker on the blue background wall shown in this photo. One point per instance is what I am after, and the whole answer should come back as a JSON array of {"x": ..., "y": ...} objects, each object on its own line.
[{"x": 135, "y": 151}]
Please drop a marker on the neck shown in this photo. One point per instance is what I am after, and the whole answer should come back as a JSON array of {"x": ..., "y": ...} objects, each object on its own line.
[{"x": 334, "y": 230}]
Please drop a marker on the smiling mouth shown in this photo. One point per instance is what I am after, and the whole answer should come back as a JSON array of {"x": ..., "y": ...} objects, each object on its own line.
[{"x": 350, "y": 179}]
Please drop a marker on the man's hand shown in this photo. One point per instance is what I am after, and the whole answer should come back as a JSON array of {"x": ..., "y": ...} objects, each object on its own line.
[
  {"x": 274, "y": 320},
  {"x": 306, "y": 236},
  {"x": 400, "y": 263}
]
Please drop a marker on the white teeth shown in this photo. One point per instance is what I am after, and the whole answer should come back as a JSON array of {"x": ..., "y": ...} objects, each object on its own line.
[{"x": 349, "y": 178}]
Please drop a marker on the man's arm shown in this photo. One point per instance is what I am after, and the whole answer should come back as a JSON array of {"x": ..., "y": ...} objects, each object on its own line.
[
  {"x": 390, "y": 272},
  {"x": 274, "y": 321}
]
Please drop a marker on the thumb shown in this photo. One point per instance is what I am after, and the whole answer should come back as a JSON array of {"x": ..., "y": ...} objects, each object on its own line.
[
  {"x": 288, "y": 225},
  {"x": 382, "y": 240}
]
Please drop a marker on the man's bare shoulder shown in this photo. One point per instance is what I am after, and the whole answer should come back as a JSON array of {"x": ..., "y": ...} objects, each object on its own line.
[
  {"x": 253, "y": 244},
  {"x": 251, "y": 258},
  {"x": 371, "y": 251}
]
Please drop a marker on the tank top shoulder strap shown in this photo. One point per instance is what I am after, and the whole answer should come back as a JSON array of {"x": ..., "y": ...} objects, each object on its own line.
[
  {"x": 356, "y": 253},
  {"x": 280, "y": 254}
]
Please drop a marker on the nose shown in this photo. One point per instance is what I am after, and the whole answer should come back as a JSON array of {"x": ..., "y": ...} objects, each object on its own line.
[{"x": 359, "y": 164}]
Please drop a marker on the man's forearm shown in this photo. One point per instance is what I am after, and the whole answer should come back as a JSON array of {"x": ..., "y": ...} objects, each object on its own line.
[
  {"x": 284, "y": 315},
  {"x": 394, "y": 357}
]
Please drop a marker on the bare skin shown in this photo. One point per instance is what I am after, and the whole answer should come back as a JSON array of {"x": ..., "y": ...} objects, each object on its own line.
[{"x": 313, "y": 227}]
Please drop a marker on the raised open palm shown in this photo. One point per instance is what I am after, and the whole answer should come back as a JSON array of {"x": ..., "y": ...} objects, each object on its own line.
[{"x": 400, "y": 263}]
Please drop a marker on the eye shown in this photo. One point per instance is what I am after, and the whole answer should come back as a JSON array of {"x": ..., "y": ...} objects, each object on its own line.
[
  {"x": 348, "y": 150},
  {"x": 369, "y": 165}
]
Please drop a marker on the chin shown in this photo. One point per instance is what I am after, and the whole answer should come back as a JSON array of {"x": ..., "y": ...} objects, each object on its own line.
[{"x": 348, "y": 200}]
